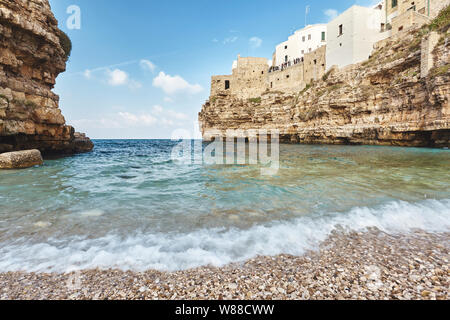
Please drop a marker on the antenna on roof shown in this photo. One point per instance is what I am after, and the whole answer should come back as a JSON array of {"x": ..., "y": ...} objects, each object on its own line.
[{"x": 306, "y": 13}]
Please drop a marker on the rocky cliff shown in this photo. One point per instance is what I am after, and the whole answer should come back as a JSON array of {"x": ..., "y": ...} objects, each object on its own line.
[
  {"x": 31, "y": 57},
  {"x": 382, "y": 101}
]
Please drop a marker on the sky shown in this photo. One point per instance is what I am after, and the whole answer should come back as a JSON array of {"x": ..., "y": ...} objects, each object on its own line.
[{"x": 141, "y": 69}]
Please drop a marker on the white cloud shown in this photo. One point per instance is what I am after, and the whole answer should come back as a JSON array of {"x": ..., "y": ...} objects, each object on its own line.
[
  {"x": 167, "y": 122},
  {"x": 331, "y": 14},
  {"x": 255, "y": 42},
  {"x": 177, "y": 115},
  {"x": 175, "y": 84},
  {"x": 137, "y": 120},
  {"x": 134, "y": 85},
  {"x": 123, "y": 120},
  {"x": 103, "y": 123},
  {"x": 120, "y": 120},
  {"x": 87, "y": 74},
  {"x": 168, "y": 117},
  {"x": 168, "y": 99},
  {"x": 157, "y": 109},
  {"x": 147, "y": 65},
  {"x": 117, "y": 77},
  {"x": 215, "y": 40},
  {"x": 230, "y": 40}
]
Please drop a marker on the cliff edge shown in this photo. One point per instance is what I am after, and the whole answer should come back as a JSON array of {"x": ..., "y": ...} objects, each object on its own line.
[
  {"x": 33, "y": 52},
  {"x": 399, "y": 97}
]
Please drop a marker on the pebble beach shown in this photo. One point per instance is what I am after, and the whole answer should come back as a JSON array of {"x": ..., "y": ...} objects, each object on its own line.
[{"x": 370, "y": 265}]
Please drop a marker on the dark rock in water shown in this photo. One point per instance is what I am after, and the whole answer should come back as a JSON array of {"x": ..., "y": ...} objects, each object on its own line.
[
  {"x": 6, "y": 148},
  {"x": 20, "y": 159},
  {"x": 81, "y": 143}
]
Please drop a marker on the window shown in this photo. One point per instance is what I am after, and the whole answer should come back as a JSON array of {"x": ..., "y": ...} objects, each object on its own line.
[
  {"x": 285, "y": 47},
  {"x": 394, "y": 3},
  {"x": 309, "y": 37},
  {"x": 271, "y": 84},
  {"x": 315, "y": 61},
  {"x": 303, "y": 38},
  {"x": 400, "y": 29},
  {"x": 287, "y": 77},
  {"x": 286, "y": 59},
  {"x": 383, "y": 27},
  {"x": 341, "y": 29},
  {"x": 303, "y": 51},
  {"x": 227, "y": 84},
  {"x": 323, "y": 36}
]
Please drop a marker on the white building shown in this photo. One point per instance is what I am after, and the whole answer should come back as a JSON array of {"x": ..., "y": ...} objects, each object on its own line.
[
  {"x": 301, "y": 42},
  {"x": 352, "y": 35}
]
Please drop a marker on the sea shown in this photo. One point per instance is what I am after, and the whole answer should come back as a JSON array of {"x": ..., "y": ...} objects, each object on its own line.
[{"x": 131, "y": 205}]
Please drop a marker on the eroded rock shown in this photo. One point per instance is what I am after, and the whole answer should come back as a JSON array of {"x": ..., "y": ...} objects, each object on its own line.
[
  {"x": 31, "y": 57},
  {"x": 20, "y": 159},
  {"x": 382, "y": 101}
]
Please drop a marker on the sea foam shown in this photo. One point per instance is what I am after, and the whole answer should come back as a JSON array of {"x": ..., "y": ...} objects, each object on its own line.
[{"x": 217, "y": 247}]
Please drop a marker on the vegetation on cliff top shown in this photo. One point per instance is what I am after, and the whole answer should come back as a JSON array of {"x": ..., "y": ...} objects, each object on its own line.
[
  {"x": 440, "y": 70},
  {"x": 442, "y": 22},
  {"x": 66, "y": 43},
  {"x": 2, "y": 96},
  {"x": 255, "y": 100},
  {"x": 25, "y": 103}
]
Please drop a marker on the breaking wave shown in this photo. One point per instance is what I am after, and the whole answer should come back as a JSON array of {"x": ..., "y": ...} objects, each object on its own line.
[{"x": 217, "y": 247}]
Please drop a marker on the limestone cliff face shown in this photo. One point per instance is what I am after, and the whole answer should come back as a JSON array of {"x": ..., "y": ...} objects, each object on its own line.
[
  {"x": 31, "y": 57},
  {"x": 383, "y": 101}
]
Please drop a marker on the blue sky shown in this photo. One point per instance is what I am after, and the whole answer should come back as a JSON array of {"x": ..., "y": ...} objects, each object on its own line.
[{"x": 141, "y": 68}]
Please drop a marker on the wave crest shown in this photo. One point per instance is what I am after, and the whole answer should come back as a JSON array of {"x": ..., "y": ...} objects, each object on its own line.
[{"x": 217, "y": 247}]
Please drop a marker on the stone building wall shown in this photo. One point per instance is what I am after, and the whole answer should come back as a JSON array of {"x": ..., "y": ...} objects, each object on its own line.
[
  {"x": 427, "y": 46},
  {"x": 315, "y": 65},
  {"x": 404, "y": 5},
  {"x": 437, "y": 6},
  {"x": 249, "y": 79},
  {"x": 219, "y": 85},
  {"x": 287, "y": 80},
  {"x": 251, "y": 76},
  {"x": 380, "y": 101},
  {"x": 409, "y": 19},
  {"x": 429, "y": 8}
]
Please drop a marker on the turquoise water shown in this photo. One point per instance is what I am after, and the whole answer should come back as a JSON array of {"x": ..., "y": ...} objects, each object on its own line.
[{"x": 127, "y": 205}]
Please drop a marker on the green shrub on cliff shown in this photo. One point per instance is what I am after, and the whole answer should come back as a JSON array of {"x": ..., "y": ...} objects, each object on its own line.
[
  {"x": 440, "y": 24},
  {"x": 442, "y": 21},
  {"x": 66, "y": 43},
  {"x": 438, "y": 71},
  {"x": 326, "y": 75},
  {"x": 305, "y": 89},
  {"x": 3, "y": 97},
  {"x": 25, "y": 103},
  {"x": 255, "y": 100}
]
